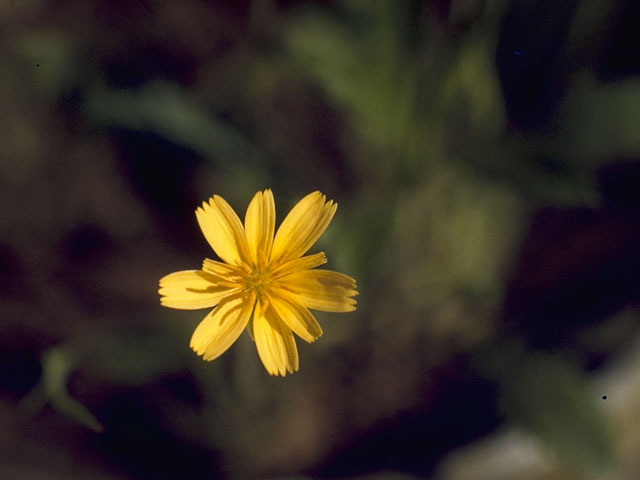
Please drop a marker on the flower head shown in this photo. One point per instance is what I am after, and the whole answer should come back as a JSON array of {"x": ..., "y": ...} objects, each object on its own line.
[{"x": 264, "y": 282}]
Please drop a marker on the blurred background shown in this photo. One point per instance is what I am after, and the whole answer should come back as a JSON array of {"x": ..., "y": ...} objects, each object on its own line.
[{"x": 484, "y": 155}]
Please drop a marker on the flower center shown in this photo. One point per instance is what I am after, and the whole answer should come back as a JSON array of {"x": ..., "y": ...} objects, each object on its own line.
[{"x": 258, "y": 280}]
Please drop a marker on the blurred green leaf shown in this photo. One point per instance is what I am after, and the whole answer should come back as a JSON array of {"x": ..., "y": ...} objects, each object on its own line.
[
  {"x": 167, "y": 111},
  {"x": 57, "y": 365},
  {"x": 550, "y": 397},
  {"x": 359, "y": 61}
]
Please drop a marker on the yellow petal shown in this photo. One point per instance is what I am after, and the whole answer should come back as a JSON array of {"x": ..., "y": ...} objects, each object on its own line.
[
  {"x": 295, "y": 316},
  {"x": 224, "y": 324},
  {"x": 323, "y": 290},
  {"x": 259, "y": 224},
  {"x": 275, "y": 343},
  {"x": 192, "y": 289},
  {"x": 302, "y": 227},
  {"x": 223, "y": 230},
  {"x": 298, "y": 264}
]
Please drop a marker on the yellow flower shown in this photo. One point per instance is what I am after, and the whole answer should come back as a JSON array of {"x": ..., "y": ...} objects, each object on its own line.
[{"x": 264, "y": 283}]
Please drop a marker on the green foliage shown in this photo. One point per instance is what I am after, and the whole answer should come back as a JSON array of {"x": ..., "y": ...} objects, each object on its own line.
[
  {"x": 169, "y": 112},
  {"x": 57, "y": 365},
  {"x": 359, "y": 59}
]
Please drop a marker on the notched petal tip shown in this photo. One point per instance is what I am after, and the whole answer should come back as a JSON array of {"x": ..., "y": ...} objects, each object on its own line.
[
  {"x": 222, "y": 326},
  {"x": 302, "y": 227},
  {"x": 192, "y": 290},
  {"x": 275, "y": 344},
  {"x": 295, "y": 316},
  {"x": 223, "y": 230},
  {"x": 317, "y": 336},
  {"x": 203, "y": 209},
  {"x": 323, "y": 290}
]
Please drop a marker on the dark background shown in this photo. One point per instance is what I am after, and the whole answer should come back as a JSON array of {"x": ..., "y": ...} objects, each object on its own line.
[{"x": 484, "y": 155}]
